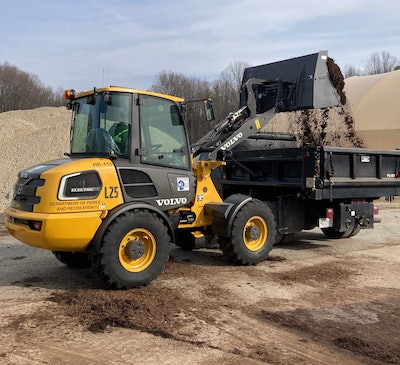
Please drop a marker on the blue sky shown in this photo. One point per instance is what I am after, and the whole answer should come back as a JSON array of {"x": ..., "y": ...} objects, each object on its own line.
[{"x": 81, "y": 44}]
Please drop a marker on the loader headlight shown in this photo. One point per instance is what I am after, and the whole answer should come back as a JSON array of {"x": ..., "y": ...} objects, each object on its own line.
[{"x": 81, "y": 185}]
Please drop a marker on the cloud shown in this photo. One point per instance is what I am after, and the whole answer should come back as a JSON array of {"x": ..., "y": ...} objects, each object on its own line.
[{"x": 127, "y": 42}]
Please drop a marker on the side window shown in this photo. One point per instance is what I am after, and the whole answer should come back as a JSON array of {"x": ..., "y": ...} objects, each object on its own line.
[{"x": 162, "y": 132}]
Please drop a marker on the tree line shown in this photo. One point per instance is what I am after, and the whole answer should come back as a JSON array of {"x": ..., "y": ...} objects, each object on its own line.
[
  {"x": 21, "y": 90},
  {"x": 377, "y": 63},
  {"x": 224, "y": 92}
]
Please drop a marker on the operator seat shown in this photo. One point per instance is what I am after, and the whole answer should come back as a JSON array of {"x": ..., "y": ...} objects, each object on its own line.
[{"x": 121, "y": 137}]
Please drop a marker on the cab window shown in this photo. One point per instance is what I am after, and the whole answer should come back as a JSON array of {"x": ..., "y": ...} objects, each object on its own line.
[{"x": 162, "y": 133}]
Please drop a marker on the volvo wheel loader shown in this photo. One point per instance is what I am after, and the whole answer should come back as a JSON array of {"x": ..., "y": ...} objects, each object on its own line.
[{"x": 132, "y": 185}]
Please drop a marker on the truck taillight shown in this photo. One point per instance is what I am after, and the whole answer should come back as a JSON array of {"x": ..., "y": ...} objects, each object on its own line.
[
  {"x": 376, "y": 210},
  {"x": 329, "y": 213}
]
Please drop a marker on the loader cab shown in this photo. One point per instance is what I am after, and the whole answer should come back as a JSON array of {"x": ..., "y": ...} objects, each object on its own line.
[
  {"x": 143, "y": 127},
  {"x": 143, "y": 134}
]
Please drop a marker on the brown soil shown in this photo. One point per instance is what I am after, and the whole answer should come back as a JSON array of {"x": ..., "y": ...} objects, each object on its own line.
[
  {"x": 315, "y": 301},
  {"x": 337, "y": 79}
]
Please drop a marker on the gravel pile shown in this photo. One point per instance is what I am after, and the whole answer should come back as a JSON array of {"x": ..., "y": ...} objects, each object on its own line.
[{"x": 29, "y": 137}]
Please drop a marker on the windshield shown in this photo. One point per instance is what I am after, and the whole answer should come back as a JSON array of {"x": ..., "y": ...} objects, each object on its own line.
[{"x": 102, "y": 124}]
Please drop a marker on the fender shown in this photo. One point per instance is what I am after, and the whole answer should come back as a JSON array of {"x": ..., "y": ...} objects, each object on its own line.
[
  {"x": 223, "y": 220},
  {"x": 114, "y": 213},
  {"x": 238, "y": 200}
]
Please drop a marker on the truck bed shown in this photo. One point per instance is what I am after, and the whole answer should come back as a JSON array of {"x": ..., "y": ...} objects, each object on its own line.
[{"x": 316, "y": 173}]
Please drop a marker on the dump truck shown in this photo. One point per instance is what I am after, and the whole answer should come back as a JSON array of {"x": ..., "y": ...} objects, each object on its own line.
[{"x": 132, "y": 185}]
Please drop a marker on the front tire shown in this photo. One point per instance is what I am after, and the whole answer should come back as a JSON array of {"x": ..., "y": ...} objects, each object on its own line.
[
  {"x": 252, "y": 236},
  {"x": 133, "y": 251}
]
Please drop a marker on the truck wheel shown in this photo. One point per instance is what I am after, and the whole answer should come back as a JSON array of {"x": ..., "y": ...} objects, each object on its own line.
[
  {"x": 352, "y": 230},
  {"x": 332, "y": 233},
  {"x": 252, "y": 236},
  {"x": 355, "y": 231},
  {"x": 76, "y": 260},
  {"x": 185, "y": 240},
  {"x": 134, "y": 250}
]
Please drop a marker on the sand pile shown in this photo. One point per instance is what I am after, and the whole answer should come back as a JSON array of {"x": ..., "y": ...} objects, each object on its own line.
[{"x": 28, "y": 137}]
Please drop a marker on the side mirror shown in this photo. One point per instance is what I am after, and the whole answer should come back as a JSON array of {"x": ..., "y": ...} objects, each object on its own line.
[{"x": 209, "y": 109}]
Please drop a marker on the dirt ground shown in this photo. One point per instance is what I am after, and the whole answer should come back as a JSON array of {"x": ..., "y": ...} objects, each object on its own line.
[{"x": 316, "y": 301}]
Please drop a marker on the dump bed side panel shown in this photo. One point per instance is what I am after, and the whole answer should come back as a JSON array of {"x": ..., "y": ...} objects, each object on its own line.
[
  {"x": 358, "y": 173},
  {"x": 315, "y": 173}
]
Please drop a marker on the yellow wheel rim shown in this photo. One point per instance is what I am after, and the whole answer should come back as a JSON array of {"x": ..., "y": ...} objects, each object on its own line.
[
  {"x": 137, "y": 250},
  {"x": 255, "y": 233}
]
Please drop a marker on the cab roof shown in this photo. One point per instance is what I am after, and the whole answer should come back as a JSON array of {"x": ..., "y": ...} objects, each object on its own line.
[{"x": 176, "y": 99}]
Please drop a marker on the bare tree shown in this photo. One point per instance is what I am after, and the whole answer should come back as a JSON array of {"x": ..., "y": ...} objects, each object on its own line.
[
  {"x": 190, "y": 89},
  {"x": 227, "y": 88},
  {"x": 379, "y": 63},
  {"x": 224, "y": 91},
  {"x": 21, "y": 90},
  {"x": 350, "y": 70}
]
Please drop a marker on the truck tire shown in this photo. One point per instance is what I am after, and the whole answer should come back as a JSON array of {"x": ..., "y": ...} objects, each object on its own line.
[
  {"x": 133, "y": 251},
  {"x": 332, "y": 233},
  {"x": 356, "y": 230},
  {"x": 76, "y": 260},
  {"x": 351, "y": 231},
  {"x": 252, "y": 236}
]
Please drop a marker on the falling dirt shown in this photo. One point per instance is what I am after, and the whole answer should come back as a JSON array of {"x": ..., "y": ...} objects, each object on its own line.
[
  {"x": 315, "y": 125},
  {"x": 332, "y": 126},
  {"x": 325, "y": 127}
]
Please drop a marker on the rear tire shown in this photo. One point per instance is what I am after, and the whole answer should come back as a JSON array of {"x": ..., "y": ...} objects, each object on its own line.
[
  {"x": 355, "y": 231},
  {"x": 133, "y": 251},
  {"x": 252, "y": 236},
  {"x": 76, "y": 260},
  {"x": 351, "y": 231},
  {"x": 332, "y": 233}
]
